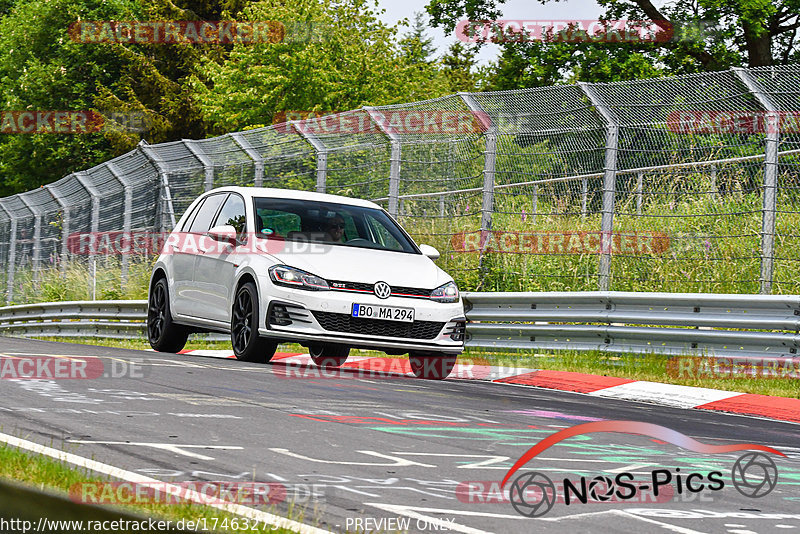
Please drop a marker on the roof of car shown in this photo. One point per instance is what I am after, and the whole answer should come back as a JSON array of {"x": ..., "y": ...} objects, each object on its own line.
[{"x": 292, "y": 193}]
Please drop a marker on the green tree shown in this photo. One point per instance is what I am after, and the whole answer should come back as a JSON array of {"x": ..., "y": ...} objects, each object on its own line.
[
  {"x": 707, "y": 35},
  {"x": 336, "y": 55},
  {"x": 417, "y": 45},
  {"x": 41, "y": 68},
  {"x": 459, "y": 67}
]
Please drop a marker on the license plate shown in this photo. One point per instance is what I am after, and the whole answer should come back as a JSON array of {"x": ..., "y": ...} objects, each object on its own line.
[{"x": 386, "y": 313}]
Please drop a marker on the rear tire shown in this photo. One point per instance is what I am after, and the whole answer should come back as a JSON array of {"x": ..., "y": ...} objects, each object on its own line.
[
  {"x": 431, "y": 367},
  {"x": 329, "y": 355},
  {"x": 248, "y": 346},
  {"x": 163, "y": 334}
]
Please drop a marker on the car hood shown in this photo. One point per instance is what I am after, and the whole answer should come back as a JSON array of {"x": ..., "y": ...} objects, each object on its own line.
[{"x": 351, "y": 264}]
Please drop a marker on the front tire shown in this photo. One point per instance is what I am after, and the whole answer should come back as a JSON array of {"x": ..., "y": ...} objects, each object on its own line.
[
  {"x": 430, "y": 367},
  {"x": 163, "y": 334},
  {"x": 247, "y": 345},
  {"x": 329, "y": 355}
]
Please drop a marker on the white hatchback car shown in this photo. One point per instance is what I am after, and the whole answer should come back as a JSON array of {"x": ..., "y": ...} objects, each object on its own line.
[{"x": 328, "y": 272}]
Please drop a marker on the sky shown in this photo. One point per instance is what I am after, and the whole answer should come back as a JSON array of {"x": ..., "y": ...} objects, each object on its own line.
[{"x": 396, "y": 10}]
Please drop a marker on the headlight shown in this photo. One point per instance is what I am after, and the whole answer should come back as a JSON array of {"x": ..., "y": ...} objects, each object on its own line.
[
  {"x": 291, "y": 277},
  {"x": 445, "y": 293}
]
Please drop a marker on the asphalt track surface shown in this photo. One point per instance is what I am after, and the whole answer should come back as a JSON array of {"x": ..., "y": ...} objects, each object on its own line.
[{"x": 392, "y": 452}]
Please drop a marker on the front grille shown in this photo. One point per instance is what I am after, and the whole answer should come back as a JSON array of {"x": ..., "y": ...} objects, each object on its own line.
[
  {"x": 342, "y": 322},
  {"x": 397, "y": 291}
]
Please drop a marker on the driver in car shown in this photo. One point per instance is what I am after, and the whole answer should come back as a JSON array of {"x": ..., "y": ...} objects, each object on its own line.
[{"x": 334, "y": 229}]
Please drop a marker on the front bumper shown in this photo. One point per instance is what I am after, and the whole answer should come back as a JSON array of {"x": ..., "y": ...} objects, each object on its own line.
[{"x": 325, "y": 316}]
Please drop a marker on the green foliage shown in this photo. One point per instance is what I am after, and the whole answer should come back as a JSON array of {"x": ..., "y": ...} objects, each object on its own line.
[
  {"x": 348, "y": 59},
  {"x": 41, "y": 68},
  {"x": 417, "y": 46},
  {"x": 708, "y": 35}
]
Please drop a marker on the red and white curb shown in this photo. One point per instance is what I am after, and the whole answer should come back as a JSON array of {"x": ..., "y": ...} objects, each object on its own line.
[{"x": 686, "y": 397}]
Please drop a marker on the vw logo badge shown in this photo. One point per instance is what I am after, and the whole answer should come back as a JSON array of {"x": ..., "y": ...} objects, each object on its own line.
[{"x": 382, "y": 290}]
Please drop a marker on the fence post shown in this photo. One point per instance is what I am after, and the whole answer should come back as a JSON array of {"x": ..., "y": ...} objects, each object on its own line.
[
  {"x": 165, "y": 202},
  {"x": 37, "y": 238},
  {"x": 489, "y": 163},
  {"x": 584, "y": 196},
  {"x": 639, "y": 192},
  {"x": 208, "y": 165},
  {"x": 394, "y": 169},
  {"x": 714, "y": 189},
  {"x": 127, "y": 188},
  {"x": 12, "y": 254},
  {"x": 65, "y": 215},
  {"x": 252, "y": 153},
  {"x": 770, "y": 193},
  {"x": 87, "y": 184},
  {"x": 321, "y": 152},
  {"x": 609, "y": 183}
]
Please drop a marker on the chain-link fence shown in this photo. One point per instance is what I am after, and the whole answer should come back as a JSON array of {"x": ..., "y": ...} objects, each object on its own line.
[{"x": 687, "y": 183}]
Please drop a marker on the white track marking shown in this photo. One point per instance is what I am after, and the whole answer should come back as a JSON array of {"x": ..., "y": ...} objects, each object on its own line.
[
  {"x": 172, "y": 447},
  {"x": 667, "y": 526},
  {"x": 130, "y": 476},
  {"x": 665, "y": 394},
  {"x": 396, "y": 462}
]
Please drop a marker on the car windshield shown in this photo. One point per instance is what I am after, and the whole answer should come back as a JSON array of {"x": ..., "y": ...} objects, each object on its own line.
[{"x": 331, "y": 223}]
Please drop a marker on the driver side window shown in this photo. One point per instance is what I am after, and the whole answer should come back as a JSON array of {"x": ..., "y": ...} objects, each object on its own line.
[{"x": 233, "y": 214}]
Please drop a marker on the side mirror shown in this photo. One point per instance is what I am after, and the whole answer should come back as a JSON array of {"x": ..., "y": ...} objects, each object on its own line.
[
  {"x": 225, "y": 233},
  {"x": 429, "y": 251}
]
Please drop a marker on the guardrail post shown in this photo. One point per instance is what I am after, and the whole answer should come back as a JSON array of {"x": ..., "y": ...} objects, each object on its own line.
[
  {"x": 37, "y": 239},
  {"x": 770, "y": 193},
  {"x": 208, "y": 165},
  {"x": 165, "y": 203},
  {"x": 321, "y": 152},
  {"x": 609, "y": 183},
  {"x": 87, "y": 184},
  {"x": 252, "y": 153},
  {"x": 127, "y": 188},
  {"x": 12, "y": 254},
  {"x": 65, "y": 222},
  {"x": 394, "y": 160}
]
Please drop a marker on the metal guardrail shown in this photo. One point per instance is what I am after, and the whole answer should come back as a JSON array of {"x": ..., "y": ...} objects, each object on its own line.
[
  {"x": 123, "y": 319},
  {"x": 662, "y": 323},
  {"x": 608, "y": 321}
]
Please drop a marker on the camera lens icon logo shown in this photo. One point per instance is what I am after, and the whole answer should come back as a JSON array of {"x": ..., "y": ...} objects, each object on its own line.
[
  {"x": 754, "y": 475},
  {"x": 532, "y": 494}
]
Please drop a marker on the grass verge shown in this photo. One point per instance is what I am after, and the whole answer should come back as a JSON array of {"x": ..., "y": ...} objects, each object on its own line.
[{"x": 44, "y": 473}]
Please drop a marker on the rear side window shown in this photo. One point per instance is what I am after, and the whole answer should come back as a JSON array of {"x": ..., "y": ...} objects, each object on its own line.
[
  {"x": 232, "y": 213},
  {"x": 202, "y": 221}
]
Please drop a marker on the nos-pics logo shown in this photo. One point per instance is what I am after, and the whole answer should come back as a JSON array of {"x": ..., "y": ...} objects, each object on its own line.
[{"x": 533, "y": 494}]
